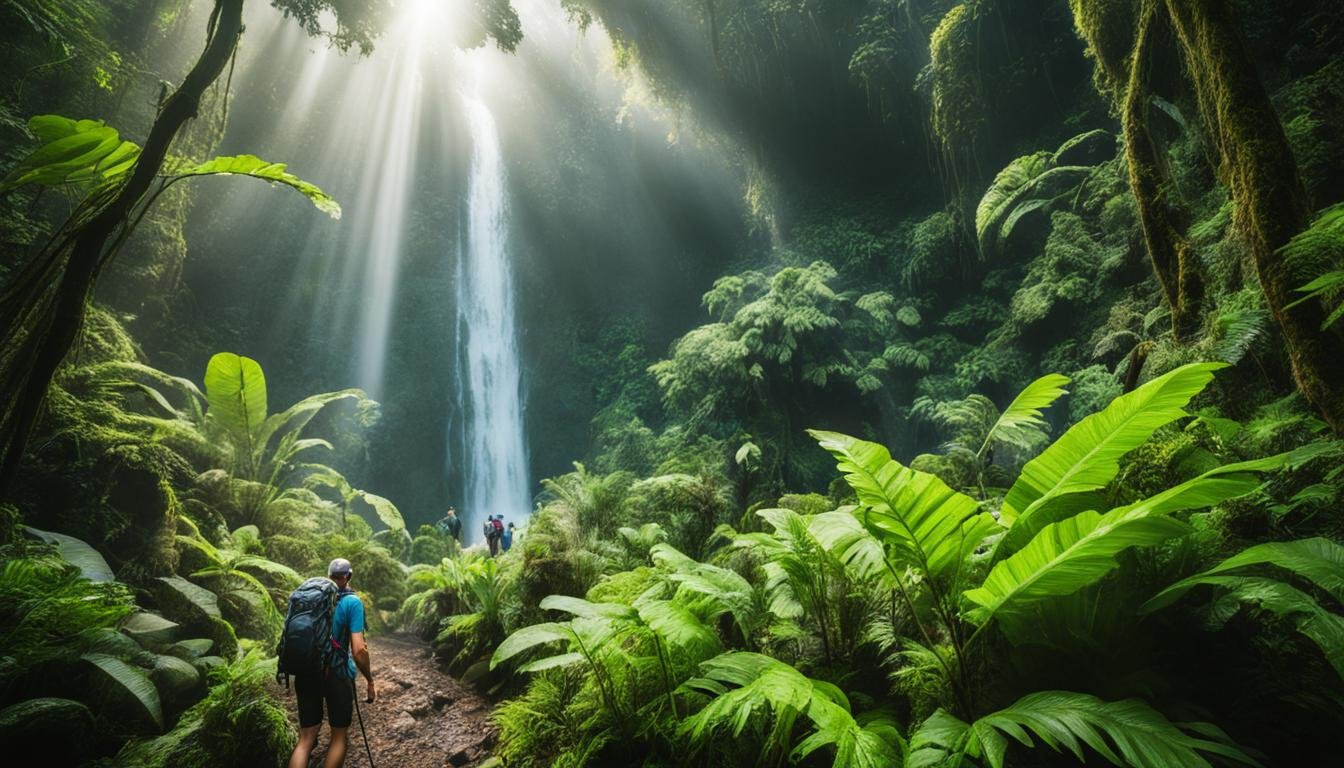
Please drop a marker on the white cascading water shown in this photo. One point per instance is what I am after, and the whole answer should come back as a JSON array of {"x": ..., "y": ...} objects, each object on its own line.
[{"x": 495, "y": 460}]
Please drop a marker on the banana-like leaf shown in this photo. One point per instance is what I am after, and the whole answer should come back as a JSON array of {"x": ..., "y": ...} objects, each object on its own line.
[
  {"x": 530, "y": 637},
  {"x": 1319, "y": 560},
  {"x": 1087, "y": 456},
  {"x": 1021, "y": 422},
  {"x": 549, "y": 662},
  {"x": 386, "y": 510},
  {"x": 1067, "y": 556},
  {"x": 1218, "y": 484},
  {"x": 76, "y": 552},
  {"x": 236, "y": 389},
  {"x": 251, "y": 165},
  {"x": 922, "y": 522},
  {"x": 842, "y": 534},
  {"x": 126, "y": 688},
  {"x": 588, "y": 610},
  {"x": 1125, "y": 733},
  {"x": 1072, "y": 553},
  {"x": 294, "y": 418}
]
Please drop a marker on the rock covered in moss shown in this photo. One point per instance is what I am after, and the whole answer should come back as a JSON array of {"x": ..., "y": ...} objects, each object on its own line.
[{"x": 59, "y": 730}]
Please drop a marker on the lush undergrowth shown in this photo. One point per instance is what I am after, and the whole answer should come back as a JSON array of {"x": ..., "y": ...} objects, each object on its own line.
[{"x": 1007, "y": 434}]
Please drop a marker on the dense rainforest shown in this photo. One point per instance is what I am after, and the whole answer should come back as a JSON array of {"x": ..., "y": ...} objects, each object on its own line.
[{"x": 867, "y": 382}]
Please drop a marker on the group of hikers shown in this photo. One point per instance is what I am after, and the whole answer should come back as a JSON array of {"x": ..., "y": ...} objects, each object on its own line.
[{"x": 498, "y": 536}]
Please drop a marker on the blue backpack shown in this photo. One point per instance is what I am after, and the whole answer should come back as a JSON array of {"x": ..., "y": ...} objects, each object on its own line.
[{"x": 306, "y": 645}]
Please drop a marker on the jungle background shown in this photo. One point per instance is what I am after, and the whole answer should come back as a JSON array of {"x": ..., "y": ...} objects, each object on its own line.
[{"x": 1057, "y": 282}]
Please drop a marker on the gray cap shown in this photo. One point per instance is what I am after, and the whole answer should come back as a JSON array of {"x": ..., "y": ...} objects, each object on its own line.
[{"x": 339, "y": 567}]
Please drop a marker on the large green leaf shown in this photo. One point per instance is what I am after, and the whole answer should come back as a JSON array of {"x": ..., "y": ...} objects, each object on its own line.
[
  {"x": 745, "y": 688},
  {"x": 236, "y": 389},
  {"x": 72, "y": 151},
  {"x": 127, "y": 690},
  {"x": 1067, "y": 556},
  {"x": 1126, "y": 733},
  {"x": 1319, "y": 560},
  {"x": 1087, "y": 456},
  {"x": 1072, "y": 553},
  {"x": 251, "y": 165},
  {"x": 385, "y": 509},
  {"x": 76, "y": 552},
  {"x": 530, "y": 637},
  {"x": 1021, "y": 422},
  {"x": 921, "y": 521}
]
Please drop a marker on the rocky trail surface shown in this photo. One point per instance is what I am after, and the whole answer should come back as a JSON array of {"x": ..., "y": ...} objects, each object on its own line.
[{"x": 423, "y": 718}]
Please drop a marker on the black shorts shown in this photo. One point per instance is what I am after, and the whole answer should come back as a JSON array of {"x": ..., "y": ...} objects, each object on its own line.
[{"x": 339, "y": 693}]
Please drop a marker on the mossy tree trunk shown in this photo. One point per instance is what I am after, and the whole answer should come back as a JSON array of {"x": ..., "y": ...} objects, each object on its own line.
[
  {"x": 42, "y": 328},
  {"x": 1257, "y": 164},
  {"x": 1174, "y": 262}
]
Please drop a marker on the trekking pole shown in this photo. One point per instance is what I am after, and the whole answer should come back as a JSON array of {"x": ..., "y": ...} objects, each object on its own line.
[{"x": 362, "y": 732}]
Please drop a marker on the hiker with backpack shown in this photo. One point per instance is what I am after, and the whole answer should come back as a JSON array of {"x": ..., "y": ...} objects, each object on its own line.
[
  {"x": 493, "y": 529},
  {"x": 450, "y": 525},
  {"x": 322, "y": 646}
]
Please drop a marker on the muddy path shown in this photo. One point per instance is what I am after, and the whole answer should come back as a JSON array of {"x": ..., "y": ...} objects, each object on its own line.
[{"x": 423, "y": 718}]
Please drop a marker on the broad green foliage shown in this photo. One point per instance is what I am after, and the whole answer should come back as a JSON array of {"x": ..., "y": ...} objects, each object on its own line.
[
  {"x": 1321, "y": 244},
  {"x": 1125, "y": 733},
  {"x": 236, "y": 389},
  {"x": 1086, "y": 457},
  {"x": 72, "y": 152},
  {"x": 923, "y": 523},
  {"x": 747, "y": 686},
  {"x": 127, "y": 686},
  {"x": 255, "y": 167},
  {"x": 89, "y": 154},
  {"x": 1318, "y": 561}
]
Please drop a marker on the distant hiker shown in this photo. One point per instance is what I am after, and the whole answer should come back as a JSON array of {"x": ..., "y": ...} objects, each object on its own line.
[
  {"x": 450, "y": 526},
  {"x": 506, "y": 539},
  {"x": 498, "y": 522},
  {"x": 488, "y": 530},
  {"x": 322, "y": 645}
]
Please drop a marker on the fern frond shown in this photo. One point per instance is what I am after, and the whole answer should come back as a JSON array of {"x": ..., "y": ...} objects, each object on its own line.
[{"x": 1126, "y": 733}]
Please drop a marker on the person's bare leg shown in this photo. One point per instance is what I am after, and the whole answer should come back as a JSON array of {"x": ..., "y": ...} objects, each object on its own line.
[
  {"x": 307, "y": 740},
  {"x": 336, "y": 749}
]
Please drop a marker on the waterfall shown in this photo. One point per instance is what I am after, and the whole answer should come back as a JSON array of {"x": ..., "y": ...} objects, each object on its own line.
[{"x": 494, "y": 460}]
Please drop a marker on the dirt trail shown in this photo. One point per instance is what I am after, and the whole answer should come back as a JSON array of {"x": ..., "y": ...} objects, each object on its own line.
[{"x": 423, "y": 718}]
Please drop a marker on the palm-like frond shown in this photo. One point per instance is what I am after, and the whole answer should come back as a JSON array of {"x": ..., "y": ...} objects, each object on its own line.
[
  {"x": 1125, "y": 733},
  {"x": 922, "y": 522},
  {"x": 747, "y": 688},
  {"x": 1021, "y": 424}
]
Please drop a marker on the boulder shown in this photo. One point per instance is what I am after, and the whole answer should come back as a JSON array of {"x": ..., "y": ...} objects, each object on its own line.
[{"x": 60, "y": 730}]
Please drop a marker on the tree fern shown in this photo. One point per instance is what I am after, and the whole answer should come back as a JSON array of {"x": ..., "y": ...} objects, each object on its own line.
[{"x": 1125, "y": 733}]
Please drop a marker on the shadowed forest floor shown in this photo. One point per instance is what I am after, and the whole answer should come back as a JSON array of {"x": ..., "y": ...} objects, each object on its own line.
[{"x": 423, "y": 718}]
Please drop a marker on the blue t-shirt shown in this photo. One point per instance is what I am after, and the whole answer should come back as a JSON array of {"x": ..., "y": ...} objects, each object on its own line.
[{"x": 348, "y": 617}]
